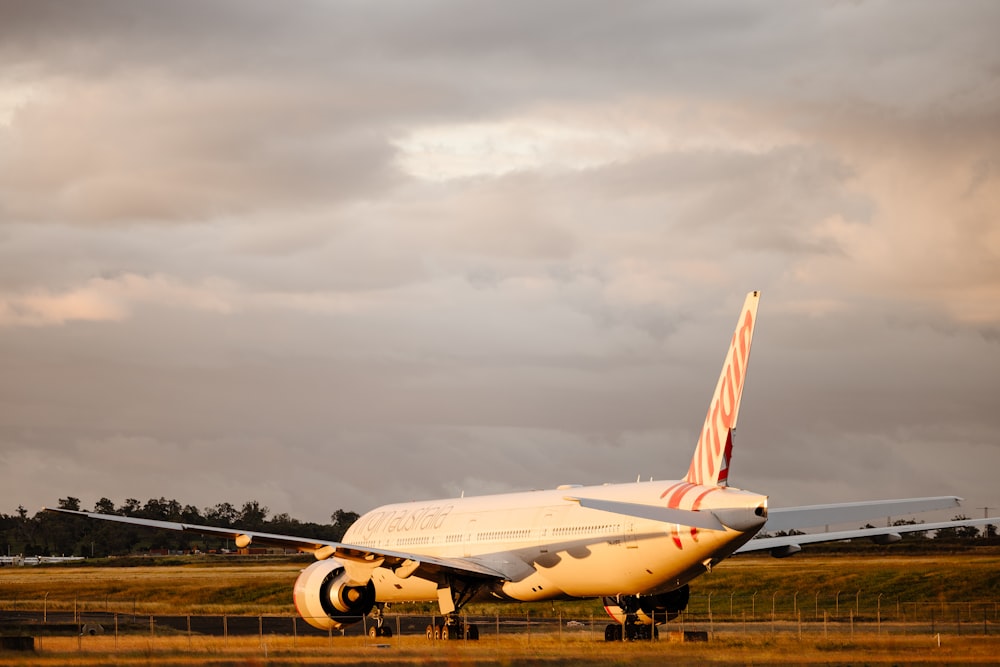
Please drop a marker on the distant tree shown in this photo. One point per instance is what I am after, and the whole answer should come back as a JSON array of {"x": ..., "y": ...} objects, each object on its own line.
[
  {"x": 191, "y": 514},
  {"x": 341, "y": 521},
  {"x": 161, "y": 509},
  {"x": 959, "y": 532},
  {"x": 51, "y": 533},
  {"x": 967, "y": 532},
  {"x": 788, "y": 533},
  {"x": 105, "y": 506},
  {"x": 252, "y": 515},
  {"x": 69, "y": 503},
  {"x": 60, "y": 534},
  {"x": 283, "y": 523},
  {"x": 912, "y": 536},
  {"x": 223, "y": 514}
]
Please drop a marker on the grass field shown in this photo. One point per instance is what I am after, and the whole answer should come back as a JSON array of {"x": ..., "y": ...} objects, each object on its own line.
[
  {"x": 803, "y": 582},
  {"x": 537, "y": 650},
  {"x": 738, "y": 603}
]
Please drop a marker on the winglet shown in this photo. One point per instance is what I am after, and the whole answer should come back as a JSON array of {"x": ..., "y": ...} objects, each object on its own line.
[{"x": 710, "y": 463}]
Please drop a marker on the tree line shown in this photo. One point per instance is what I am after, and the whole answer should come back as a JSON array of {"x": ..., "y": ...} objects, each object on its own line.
[{"x": 53, "y": 534}]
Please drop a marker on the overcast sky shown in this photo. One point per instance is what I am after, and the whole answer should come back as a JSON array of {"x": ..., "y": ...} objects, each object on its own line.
[{"x": 336, "y": 254}]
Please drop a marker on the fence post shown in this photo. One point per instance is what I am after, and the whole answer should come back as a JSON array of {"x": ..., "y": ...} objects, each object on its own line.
[{"x": 711, "y": 621}]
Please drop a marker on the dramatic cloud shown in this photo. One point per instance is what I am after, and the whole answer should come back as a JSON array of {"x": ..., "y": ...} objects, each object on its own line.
[{"x": 329, "y": 255}]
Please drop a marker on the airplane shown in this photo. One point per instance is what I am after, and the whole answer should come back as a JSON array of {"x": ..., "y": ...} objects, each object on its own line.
[{"x": 635, "y": 546}]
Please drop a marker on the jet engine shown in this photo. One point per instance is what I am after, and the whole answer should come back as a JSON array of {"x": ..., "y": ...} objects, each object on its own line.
[
  {"x": 648, "y": 609},
  {"x": 327, "y": 599}
]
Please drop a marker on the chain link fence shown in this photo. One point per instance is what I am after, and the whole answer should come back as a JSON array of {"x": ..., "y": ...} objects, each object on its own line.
[{"x": 819, "y": 613}]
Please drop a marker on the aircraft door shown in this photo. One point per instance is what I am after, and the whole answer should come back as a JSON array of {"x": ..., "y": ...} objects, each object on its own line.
[
  {"x": 544, "y": 528},
  {"x": 628, "y": 535},
  {"x": 469, "y": 537}
]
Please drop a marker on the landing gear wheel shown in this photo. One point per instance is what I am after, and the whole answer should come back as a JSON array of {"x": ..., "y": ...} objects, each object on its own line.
[
  {"x": 379, "y": 631},
  {"x": 613, "y": 633},
  {"x": 472, "y": 633},
  {"x": 430, "y": 632}
]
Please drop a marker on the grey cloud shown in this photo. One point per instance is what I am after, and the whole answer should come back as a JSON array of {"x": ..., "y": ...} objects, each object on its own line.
[
  {"x": 185, "y": 153},
  {"x": 318, "y": 328}
]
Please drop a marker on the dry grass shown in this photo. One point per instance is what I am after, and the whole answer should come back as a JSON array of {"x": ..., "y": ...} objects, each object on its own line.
[
  {"x": 186, "y": 589},
  {"x": 541, "y": 650},
  {"x": 265, "y": 588}
]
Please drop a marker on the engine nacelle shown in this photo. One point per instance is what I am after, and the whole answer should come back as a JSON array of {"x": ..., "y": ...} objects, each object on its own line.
[
  {"x": 324, "y": 598},
  {"x": 648, "y": 609}
]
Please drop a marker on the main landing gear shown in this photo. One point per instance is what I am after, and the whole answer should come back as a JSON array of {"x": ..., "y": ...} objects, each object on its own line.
[
  {"x": 453, "y": 594},
  {"x": 379, "y": 628},
  {"x": 630, "y": 631},
  {"x": 453, "y": 628}
]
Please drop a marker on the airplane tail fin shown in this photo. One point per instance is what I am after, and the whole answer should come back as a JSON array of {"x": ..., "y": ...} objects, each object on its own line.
[{"x": 710, "y": 464}]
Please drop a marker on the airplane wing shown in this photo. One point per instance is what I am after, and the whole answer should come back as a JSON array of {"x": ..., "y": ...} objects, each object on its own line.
[
  {"x": 787, "y": 545},
  {"x": 419, "y": 564},
  {"x": 796, "y": 518}
]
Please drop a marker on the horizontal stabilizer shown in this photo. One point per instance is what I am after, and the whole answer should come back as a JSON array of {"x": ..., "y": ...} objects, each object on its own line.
[
  {"x": 694, "y": 518},
  {"x": 779, "y": 544},
  {"x": 795, "y": 518}
]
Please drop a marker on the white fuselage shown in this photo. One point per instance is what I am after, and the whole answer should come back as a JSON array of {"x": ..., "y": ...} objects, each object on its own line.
[{"x": 549, "y": 547}]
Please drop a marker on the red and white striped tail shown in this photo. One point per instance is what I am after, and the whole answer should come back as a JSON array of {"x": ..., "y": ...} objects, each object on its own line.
[{"x": 710, "y": 464}]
